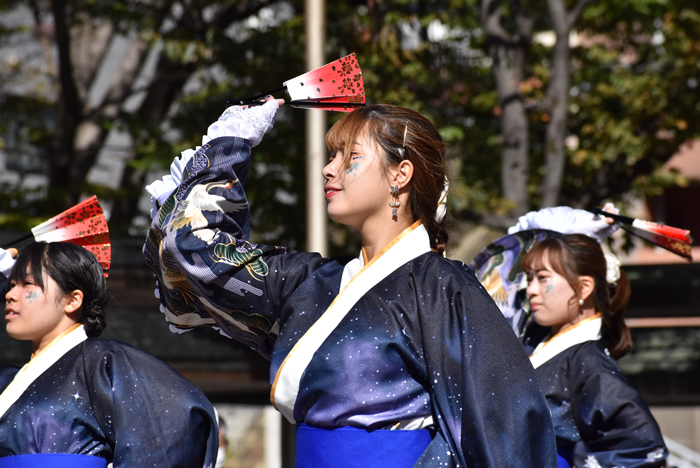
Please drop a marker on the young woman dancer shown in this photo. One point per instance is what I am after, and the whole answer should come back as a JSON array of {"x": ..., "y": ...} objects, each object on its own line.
[
  {"x": 396, "y": 358},
  {"x": 600, "y": 420},
  {"x": 83, "y": 401}
]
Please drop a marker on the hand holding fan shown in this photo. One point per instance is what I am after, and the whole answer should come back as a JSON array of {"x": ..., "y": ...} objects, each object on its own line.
[
  {"x": 83, "y": 224},
  {"x": 337, "y": 86},
  {"x": 670, "y": 238}
]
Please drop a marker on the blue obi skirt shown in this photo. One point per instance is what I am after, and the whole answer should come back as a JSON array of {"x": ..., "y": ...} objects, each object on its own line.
[
  {"x": 350, "y": 447},
  {"x": 561, "y": 462},
  {"x": 52, "y": 460}
]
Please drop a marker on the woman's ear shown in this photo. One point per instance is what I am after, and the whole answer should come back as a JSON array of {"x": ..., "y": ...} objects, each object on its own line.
[
  {"x": 403, "y": 173},
  {"x": 75, "y": 301},
  {"x": 587, "y": 285}
]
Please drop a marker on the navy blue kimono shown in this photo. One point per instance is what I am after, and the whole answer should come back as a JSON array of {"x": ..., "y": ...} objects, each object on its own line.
[
  {"x": 105, "y": 399},
  {"x": 409, "y": 340},
  {"x": 600, "y": 420}
]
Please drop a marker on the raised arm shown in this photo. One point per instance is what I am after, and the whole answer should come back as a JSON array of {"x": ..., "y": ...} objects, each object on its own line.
[
  {"x": 7, "y": 261},
  {"x": 208, "y": 273}
]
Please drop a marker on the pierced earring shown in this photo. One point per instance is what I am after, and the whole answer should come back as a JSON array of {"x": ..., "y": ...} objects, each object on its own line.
[
  {"x": 396, "y": 203},
  {"x": 580, "y": 302}
]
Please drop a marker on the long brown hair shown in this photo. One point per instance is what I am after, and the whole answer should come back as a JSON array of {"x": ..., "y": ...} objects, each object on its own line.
[
  {"x": 386, "y": 125},
  {"x": 576, "y": 255}
]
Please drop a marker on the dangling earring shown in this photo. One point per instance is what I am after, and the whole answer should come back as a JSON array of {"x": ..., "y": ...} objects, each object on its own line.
[
  {"x": 580, "y": 302},
  {"x": 395, "y": 204}
]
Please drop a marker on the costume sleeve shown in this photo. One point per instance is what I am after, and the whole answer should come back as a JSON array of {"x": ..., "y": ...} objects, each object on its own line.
[
  {"x": 566, "y": 220},
  {"x": 6, "y": 264},
  {"x": 615, "y": 423},
  {"x": 150, "y": 414},
  {"x": 208, "y": 273},
  {"x": 488, "y": 407},
  {"x": 250, "y": 124}
]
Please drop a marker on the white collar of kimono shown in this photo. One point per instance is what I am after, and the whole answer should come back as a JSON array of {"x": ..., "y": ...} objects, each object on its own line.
[
  {"x": 38, "y": 365},
  {"x": 355, "y": 283},
  {"x": 588, "y": 330}
]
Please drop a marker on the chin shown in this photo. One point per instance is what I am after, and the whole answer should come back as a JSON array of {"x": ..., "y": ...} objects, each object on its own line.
[
  {"x": 542, "y": 321},
  {"x": 16, "y": 334},
  {"x": 339, "y": 217}
]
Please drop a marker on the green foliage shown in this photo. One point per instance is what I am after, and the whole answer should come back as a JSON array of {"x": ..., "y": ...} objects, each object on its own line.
[
  {"x": 633, "y": 105},
  {"x": 633, "y": 96}
]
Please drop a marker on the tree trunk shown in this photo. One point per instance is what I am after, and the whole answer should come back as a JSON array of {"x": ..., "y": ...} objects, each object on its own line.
[
  {"x": 68, "y": 115},
  {"x": 508, "y": 70},
  {"x": 508, "y": 54},
  {"x": 557, "y": 98}
]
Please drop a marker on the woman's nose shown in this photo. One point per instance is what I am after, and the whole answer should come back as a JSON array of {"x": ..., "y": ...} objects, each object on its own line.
[
  {"x": 530, "y": 290},
  {"x": 331, "y": 169},
  {"x": 9, "y": 295}
]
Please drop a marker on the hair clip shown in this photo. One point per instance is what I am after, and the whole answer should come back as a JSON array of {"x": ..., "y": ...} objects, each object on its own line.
[{"x": 402, "y": 150}]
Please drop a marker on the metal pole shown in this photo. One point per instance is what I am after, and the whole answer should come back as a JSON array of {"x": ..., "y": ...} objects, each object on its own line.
[{"x": 316, "y": 123}]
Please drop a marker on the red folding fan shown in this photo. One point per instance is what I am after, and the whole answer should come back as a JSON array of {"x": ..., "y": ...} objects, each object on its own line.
[
  {"x": 670, "y": 238},
  {"x": 337, "y": 86},
  {"x": 83, "y": 224}
]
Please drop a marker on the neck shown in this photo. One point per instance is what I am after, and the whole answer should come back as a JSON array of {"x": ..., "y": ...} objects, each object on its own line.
[
  {"x": 583, "y": 315},
  {"x": 376, "y": 235},
  {"x": 57, "y": 333}
]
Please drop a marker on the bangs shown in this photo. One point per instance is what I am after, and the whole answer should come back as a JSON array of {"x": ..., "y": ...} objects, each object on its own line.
[
  {"x": 560, "y": 261},
  {"x": 343, "y": 135},
  {"x": 534, "y": 259},
  {"x": 29, "y": 264},
  {"x": 547, "y": 251}
]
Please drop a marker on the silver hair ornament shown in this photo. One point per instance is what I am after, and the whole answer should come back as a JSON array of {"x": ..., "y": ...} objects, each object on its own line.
[
  {"x": 402, "y": 150},
  {"x": 442, "y": 203},
  {"x": 613, "y": 269}
]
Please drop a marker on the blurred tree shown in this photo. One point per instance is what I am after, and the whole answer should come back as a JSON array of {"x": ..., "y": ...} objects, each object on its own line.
[
  {"x": 583, "y": 100},
  {"x": 542, "y": 103},
  {"x": 65, "y": 119},
  {"x": 595, "y": 95}
]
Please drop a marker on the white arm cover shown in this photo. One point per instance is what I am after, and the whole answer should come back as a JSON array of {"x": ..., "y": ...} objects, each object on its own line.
[
  {"x": 567, "y": 221},
  {"x": 6, "y": 262},
  {"x": 251, "y": 123}
]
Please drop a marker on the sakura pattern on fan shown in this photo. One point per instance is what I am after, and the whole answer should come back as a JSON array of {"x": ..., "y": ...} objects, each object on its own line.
[
  {"x": 82, "y": 401},
  {"x": 394, "y": 358}
]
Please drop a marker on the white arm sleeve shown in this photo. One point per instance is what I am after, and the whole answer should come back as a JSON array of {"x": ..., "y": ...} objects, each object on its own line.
[
  {"x": 567, "y": 221},
  {"x": 251, "y": 123},
  {"x": 6, "y": 262}
]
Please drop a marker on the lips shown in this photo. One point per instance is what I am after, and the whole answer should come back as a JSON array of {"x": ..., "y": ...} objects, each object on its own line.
[
  {"x": 330, "y": 191},
  {"x": 10, "y": 313}
]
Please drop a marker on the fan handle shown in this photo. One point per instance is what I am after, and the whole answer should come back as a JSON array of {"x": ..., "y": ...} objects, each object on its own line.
[
  {"x": 17, "y": 241},
  {"x": 255, "y": 100}
]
